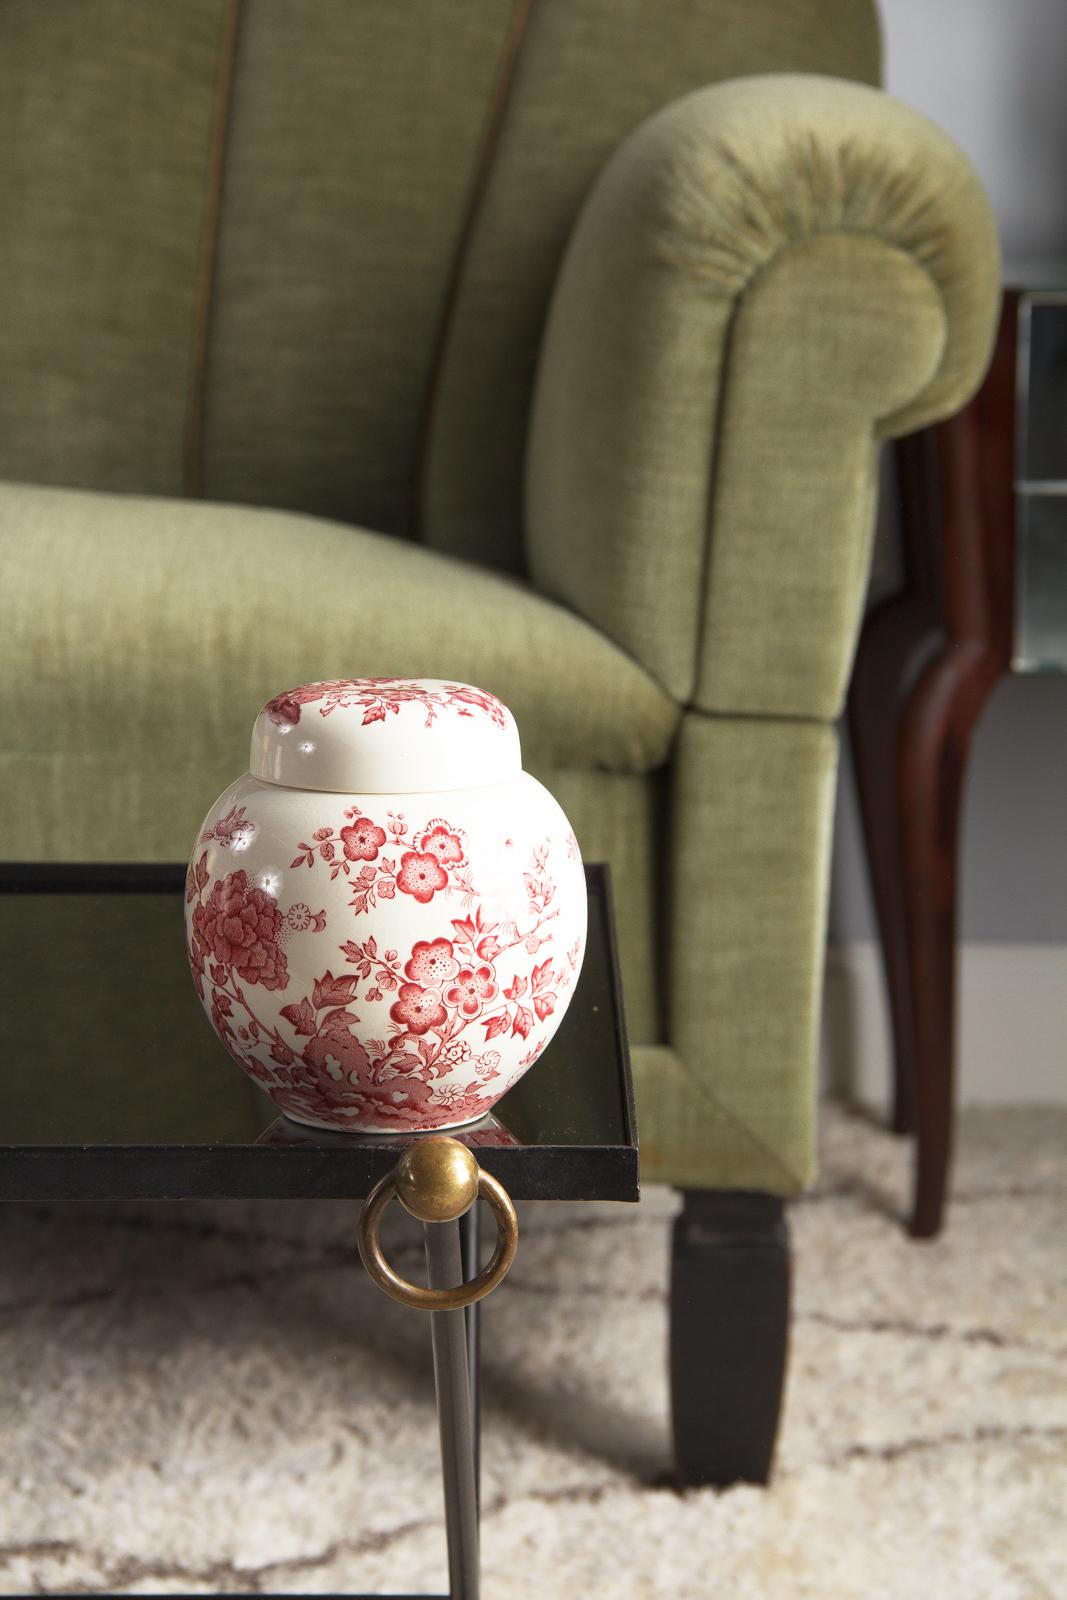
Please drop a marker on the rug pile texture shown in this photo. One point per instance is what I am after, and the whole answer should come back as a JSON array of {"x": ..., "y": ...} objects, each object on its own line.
[{"x": 215, "y": 1398}]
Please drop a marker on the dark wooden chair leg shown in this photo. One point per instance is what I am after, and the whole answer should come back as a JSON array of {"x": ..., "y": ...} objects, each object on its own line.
[
  {"x": 898, "y": 639},
  {"x": 934, "y": 741},
  {"x": 730, "y": 1275},
  {"x": 957, "y": 516}
]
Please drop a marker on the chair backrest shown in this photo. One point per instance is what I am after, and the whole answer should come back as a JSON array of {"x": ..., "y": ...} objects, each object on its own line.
[{"x": 299, "y": 252}]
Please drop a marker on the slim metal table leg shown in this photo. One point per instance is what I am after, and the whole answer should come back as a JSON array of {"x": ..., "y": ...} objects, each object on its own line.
[
  {"x": 469, "y": 1238},
  {"x": 454, "y": 1415},
  {"x": 438, "y": 1180}
]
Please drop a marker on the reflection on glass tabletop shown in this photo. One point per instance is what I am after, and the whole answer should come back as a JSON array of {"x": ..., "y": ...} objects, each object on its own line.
[{"x": 113, "y": 1085}]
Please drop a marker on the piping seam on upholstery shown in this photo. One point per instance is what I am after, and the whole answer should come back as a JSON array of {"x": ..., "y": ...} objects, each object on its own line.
[
  {"x": 494, "y": 126},
  {"x": 713, "y": 462},
  {"x": 789, "y": 718},
  {"x": 193, "y": 465}
]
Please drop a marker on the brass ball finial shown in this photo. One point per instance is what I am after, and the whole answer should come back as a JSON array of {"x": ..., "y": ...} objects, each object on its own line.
[{"x": 437, "y": 1179}]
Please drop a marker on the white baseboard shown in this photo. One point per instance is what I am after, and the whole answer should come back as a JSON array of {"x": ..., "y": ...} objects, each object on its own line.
[{"x": 1011, "y": 1028}]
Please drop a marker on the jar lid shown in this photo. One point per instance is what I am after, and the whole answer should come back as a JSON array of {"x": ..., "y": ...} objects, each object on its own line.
[{"x": 385, "y": 736}]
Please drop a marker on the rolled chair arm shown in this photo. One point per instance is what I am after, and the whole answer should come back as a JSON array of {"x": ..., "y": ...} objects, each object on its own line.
[{"x": 769, "y": 275}]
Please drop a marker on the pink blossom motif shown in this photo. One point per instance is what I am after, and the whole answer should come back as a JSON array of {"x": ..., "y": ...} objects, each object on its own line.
[
  {"x": 417, "y": 1008},
  {"x": 432, "y": 963},
  {"x": 473, "y": 989},
  {"x": 239, "y": 925},
  {"x": 420, "y": 876},
  {"x": 443, "y": 842},
  {"x": 362, "y": 840},
  {"x": 298, "y": 917}
]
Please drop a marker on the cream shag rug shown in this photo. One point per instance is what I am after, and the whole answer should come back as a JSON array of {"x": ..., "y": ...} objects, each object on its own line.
[{"x": 213, "y": 1397}]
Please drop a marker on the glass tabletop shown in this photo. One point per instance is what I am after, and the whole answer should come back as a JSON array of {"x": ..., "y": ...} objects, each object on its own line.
[{"x": 113, "y": 1085}]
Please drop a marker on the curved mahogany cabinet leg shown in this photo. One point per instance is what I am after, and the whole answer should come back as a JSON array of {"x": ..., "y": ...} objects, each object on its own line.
[
  {"x": 935, "y": 737},
  {"x": 897, "y": 640}
]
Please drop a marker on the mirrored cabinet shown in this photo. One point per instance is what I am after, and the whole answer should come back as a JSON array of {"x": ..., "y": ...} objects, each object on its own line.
[{"x": 1041, "y": 482}]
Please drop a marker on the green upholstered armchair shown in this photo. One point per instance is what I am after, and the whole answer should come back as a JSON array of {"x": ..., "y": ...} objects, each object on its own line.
[{"x": 546, "y": 345}]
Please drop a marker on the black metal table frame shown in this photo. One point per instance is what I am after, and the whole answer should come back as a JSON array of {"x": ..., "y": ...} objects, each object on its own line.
[{"x": 452, "y": 1248}]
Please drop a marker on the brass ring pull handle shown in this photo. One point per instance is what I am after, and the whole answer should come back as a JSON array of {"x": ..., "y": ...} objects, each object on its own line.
[{"x": 437, "y": 1180}]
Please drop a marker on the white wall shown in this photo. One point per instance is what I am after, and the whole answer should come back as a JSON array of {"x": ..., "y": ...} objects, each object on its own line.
[{"x": 992, "y": 74}]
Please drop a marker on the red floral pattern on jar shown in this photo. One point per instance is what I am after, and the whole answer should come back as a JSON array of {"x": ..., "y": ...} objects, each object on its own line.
[
  {"x": 444, "y": 842},
  {"x": 238, "y": 925},
  {"x": 362, "y": 839},
  {"x": 379, "y": 698},
  {"x": 421, "y": 875},
  {"x": 397, "y": 1038},
  {"x": 435, "y": 864},
  {"x": 418, "y": 1009},
  {"x": 432, "y": 962},
  {"x": 473, "y": 990}
]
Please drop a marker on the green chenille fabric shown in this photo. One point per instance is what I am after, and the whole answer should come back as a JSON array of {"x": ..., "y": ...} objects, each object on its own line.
[
  {"x": 590, "y": 71},
  {"x": 142, "y": 638},
  {"x": 689, "y": 1138},
  {"x": 770, "y": 275},
  {"x": 105, "y": 121},
  {"x": 747, "y": 874},
  {"x": 620, "y": 818},
  {"x": 353, "y": 134}
]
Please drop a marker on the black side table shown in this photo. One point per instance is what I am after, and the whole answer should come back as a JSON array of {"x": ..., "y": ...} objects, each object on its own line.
[{"x": 124, "y": 1094}]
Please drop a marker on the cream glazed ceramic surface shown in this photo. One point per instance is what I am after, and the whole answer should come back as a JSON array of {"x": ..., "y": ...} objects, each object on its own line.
[{"x": 385, "y": 916}]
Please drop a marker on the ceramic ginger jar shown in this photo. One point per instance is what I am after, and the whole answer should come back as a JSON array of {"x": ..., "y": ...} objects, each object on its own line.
[{"x": 385, "y": 916}]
